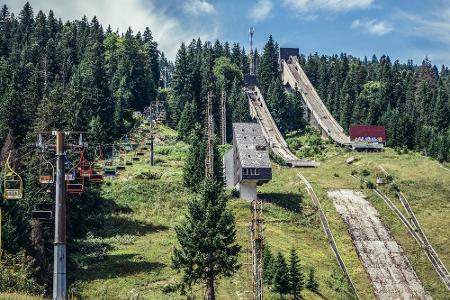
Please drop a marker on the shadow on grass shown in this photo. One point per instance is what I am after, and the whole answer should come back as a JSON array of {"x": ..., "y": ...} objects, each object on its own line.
[
  {"x": 118, "y": 225},
  {"x": 289, "y": 201},
  {"x": 120, "y": 265}
]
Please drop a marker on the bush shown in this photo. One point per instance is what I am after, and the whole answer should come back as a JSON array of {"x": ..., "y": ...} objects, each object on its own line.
[
  {"x": 17, "y": 275},
  {"x": 336, "y": 175},
  {"x": 148, "y": 175},
  {"x": 354, "y": 172},
  {"x": 365, "y": 172},
  {"x": 370, "y": 185}
]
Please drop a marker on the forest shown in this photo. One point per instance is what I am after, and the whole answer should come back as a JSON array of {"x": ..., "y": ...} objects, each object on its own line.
[{"x": 80, "y": 76}]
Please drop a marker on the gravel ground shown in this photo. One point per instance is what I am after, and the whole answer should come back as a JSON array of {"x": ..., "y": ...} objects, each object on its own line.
[{"x": 387, "y": 265}]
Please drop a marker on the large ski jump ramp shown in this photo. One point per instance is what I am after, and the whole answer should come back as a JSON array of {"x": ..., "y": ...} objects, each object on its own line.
[
  {"x": 294, "y": 75},
  {"x": 260, "y": 111}
]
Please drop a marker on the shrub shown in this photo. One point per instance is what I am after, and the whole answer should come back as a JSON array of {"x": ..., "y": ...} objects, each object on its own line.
[
  {"x": 148, "y": 175},
  {"x": 365, "y": 172},
  {"x": 354, "y": 172},
  {"x": 17, "y": 275},
  {"x": 370, "y": 185}
]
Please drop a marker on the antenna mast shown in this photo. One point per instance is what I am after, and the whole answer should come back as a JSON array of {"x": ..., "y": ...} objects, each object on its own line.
[{"x": 252, "y": 58}]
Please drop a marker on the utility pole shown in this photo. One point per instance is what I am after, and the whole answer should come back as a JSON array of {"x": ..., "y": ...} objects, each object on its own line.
[
  {"x": 257, "y": 243},
  {"x": 252, "y": 58},
  {"x": 209, "y": 160},
  {"x": 223, "y": 123},
  {"x": 152, "y": 162},
  {"x": 59, "y": 262}
]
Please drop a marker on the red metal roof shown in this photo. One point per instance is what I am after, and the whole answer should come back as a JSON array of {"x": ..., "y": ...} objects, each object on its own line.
[{"x": 363, "y": 131}]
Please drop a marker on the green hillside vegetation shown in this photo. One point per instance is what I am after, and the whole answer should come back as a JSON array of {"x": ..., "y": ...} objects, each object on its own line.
[
  {"x": 137, "y": 240},
  {"x": 131, "y": 255}
]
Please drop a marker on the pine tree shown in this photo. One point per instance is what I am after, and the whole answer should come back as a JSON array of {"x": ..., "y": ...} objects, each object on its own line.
[
  {"x": 296, "y": 277},
  {"x": 311, "y": 283},
  {"x": 207, "y": 238},
  {"x": 181, "y": 85},
  {"x": 278, "y": 104},
  {"x": 194, "y": 166},
  {"x": 268, "y": 66},
  {"x": 268, "y": 262},
  {"x": 281, "y": 276},
  {"x": 240, "y": 111}
]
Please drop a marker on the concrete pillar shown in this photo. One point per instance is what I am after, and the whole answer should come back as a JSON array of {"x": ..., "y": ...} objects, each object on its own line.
[{"x": 247, "y": 190}]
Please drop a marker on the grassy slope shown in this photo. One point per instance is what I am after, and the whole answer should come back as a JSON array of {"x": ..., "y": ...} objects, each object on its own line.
[
  {"x": 141, "y": 241},
  {"x": 141, "y": 238},
  {"x": 424, "y": 183}
]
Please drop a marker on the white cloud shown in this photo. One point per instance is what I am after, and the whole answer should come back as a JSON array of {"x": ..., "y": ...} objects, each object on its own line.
[
  {"x": 434, "y": 27},
  {"x": 305, "y": 6},
  {"x": 261, "y": 10},
  {"x": 167, "y": 30},
  {"x": 198, "y": 7},
  {"x": 373, "y": 26}
]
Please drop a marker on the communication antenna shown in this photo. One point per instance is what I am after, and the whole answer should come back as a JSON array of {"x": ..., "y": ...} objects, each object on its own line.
[{"x": 252, "y": 59}]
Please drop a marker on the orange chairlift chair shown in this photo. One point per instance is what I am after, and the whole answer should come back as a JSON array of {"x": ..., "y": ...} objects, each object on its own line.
[
  {"x": 46, "y": 171},
  {"x": 12, "y": 182}
]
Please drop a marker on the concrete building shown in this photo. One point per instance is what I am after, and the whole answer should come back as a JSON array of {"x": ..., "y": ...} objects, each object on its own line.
[{"x": 247, "y": 164}]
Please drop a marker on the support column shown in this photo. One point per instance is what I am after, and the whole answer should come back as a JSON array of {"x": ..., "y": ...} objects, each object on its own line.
[{"x": 59, "y": 262}]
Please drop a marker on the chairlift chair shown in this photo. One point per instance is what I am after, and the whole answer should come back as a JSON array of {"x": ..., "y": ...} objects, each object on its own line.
[
  {"x": 12, "y": 182},
  {"x": 46, "y": 172},
  {"x": 75, "y": 182},
  {"x": 110, "y": 169},
  {"x": 122, "y": 160}
]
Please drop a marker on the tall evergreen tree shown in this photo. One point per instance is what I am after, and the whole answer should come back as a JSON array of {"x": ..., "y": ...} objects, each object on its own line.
[
  {"x": 268, "y": 66},
  {"x": 268, "y": 264},
  {"x": 296, "y": 277},
  {"x": 311, "y": 283},
  {"x": 281, "y": 276},
  {"x": 278, "y": 104},
  {"x": 207, "y": 238}
]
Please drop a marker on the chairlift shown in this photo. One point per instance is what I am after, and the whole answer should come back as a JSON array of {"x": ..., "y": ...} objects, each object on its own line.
[
  {"x": 69, "y": 174},
  {"x": 12, "y": 182},
  {"x": 46, "y": 172},
  {"x": 97, "y": 166},
  {"x": 85, "y": 168},
  {"x": 110, "y": 169},
  {"x": 76, "y": 185},
  {"x": 140, "y": 152},
  {"x": 122, "y": 160}
]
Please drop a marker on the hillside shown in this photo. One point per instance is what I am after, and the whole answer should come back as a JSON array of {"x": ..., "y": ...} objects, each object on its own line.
[{"x": 133, "y": 250}]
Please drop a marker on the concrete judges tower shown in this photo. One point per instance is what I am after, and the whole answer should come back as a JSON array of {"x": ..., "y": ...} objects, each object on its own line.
[{"x": 247, "y": 164}]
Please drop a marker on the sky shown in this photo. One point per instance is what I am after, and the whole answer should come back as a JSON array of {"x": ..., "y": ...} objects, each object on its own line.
[{"x": 402, "y": 29}]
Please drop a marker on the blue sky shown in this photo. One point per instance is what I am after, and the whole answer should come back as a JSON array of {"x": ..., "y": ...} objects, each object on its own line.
[{"x": 402, "y": 29}]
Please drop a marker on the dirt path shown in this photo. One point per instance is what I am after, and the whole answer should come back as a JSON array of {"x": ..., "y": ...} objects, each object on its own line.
[{"x": 388, "y": 267}]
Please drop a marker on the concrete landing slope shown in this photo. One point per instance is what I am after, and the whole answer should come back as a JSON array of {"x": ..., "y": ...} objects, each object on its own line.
[
  {"x": 260, "y": 111},
  {"x": 389, "y": 269},
  {"x": 294, "y": 75}
]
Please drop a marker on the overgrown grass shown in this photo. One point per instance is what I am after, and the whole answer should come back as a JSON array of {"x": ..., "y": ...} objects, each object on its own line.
[{"x": 133, "y": 249}]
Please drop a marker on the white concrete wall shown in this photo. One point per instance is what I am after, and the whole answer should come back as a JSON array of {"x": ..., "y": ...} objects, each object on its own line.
[
  {"x": 247, "y": 190},
  {"x": 228, "y": 165}
]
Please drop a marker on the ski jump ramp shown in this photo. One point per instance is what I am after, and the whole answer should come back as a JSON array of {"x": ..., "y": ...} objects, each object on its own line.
[
  {"x": 294, "y": 76},
  {"x": 260, "y": 112}
]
